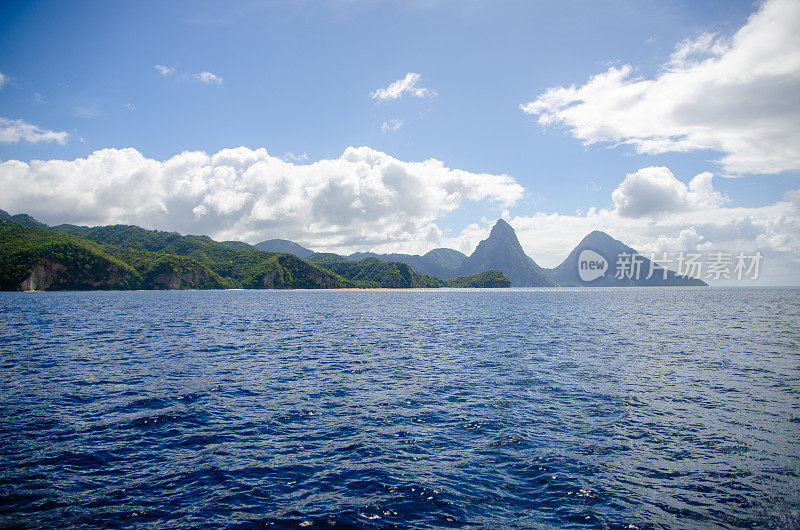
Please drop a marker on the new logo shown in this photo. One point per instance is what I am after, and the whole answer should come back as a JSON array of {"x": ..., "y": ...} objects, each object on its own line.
[{"x": 591, "y": 265}]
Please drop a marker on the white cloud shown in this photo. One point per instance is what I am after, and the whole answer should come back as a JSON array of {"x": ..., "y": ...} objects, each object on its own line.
[
  {"x": 165, "y": 70},
  {"x": 688, "y": 240},
  {"x": 739, "y": 96},
  {"x": 653, "y": 191},
  {"x": 362, "y": 198},
  {"x": 3, "y": 80},
  {"x": 207, "y": 78},
  {"x": 407, "y": 85},
  {"x": 291, "y": 157},
  {"x": 391, "y": 125},
  {"x": 13, "y": 131}
]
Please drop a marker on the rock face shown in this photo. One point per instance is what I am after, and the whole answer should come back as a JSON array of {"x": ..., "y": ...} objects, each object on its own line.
[
  {"x": 42, "y": 277},
  {"x": 502, "y": 251},
  {"x": 53, "y": 276},
  {"x": 599, "y": 257},
  {"x": 284, "y": 245},
  {"x": 173, "y": 280}
]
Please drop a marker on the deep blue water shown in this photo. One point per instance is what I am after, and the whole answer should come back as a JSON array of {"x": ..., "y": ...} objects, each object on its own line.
[{"x": 415, "y": 408}]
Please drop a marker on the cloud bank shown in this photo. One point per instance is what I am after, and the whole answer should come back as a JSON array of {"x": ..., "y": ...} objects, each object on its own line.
[
  {"x": 739, "y": 96},
  {"x": 367, "y": 199},
  {"x": 363, "y": 198}
]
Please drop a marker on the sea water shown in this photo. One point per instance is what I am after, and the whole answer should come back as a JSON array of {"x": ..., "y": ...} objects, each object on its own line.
[{"x": 628, "y": 408}]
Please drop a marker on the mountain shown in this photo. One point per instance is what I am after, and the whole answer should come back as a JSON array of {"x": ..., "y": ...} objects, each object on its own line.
[
  {"x": 421, "y": 264},
  {"x": 70, "y": 257},
  {"x": 21, "y": 219},
  {"x": 594, "y": 262},
  {"x": 446, "y": 258},
  {"x": 129, "y": 257},
  {"x": 238, "y": 245},
  {"x": 284, "y": 245},
  {"x": 502, "y": 251},
  {"x": 375, "y": 272}
]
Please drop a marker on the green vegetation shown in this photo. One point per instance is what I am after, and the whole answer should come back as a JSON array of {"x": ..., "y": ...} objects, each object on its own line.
[
  {"x": 46, "y": 260},
  {"x": 130, "y": 257},
  {"x": 492, "y": 278},
  {"x": 372, "y": 272}
]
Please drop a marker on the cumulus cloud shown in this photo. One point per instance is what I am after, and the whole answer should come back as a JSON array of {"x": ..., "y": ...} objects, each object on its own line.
[
  {"x": 391, "y": 125},
  {"x": 401, "y": 87},
  {"x": 687, "y": 240},
  {"x": 364, "y": 198},
  {"x": 3, "y": 80},
  {"x": 653, "y": 191},
  {"x": 208, "y": 78},
  {"x": 165, "y": 70},
  {"x": 13, "y": 131},
  {"x": 739, "y": 96}
]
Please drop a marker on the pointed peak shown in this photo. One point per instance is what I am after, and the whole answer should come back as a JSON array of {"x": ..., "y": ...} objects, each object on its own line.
[
  {"x": 602, "y": 242},
  {"x": 501, "y": 227},
  {"x": 597, "y": 235}
]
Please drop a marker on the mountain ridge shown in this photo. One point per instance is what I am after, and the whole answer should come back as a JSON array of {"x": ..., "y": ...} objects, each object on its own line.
[{"x": 192, "y": 261}]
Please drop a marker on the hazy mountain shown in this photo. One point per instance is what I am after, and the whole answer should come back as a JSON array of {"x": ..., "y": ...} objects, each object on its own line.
[
  {"x": 429, "y": 264},
  {"x": 597, "y": 273},
  {"x": 445, "y": 257},
  {"x": 284, "y": 245},
  {"x": 238, "y": 245},
  {"x": 502, "y": 251},
  {"x": 21, "y": 219}
]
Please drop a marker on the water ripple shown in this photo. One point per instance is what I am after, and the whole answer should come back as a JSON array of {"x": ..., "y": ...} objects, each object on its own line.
[{"x": 618, "y": 408}]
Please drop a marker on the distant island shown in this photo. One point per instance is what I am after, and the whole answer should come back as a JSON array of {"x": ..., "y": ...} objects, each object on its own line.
[{"x": 35, "y": 256}]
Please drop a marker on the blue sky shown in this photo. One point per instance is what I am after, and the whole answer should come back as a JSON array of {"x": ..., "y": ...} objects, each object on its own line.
[{"x": 297, "y": 77}]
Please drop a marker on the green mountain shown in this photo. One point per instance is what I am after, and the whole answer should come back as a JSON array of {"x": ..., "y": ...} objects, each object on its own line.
[
  {"x": 130, "y": 257},
  {"x": 502, "y": 251},
  {"x": 601, "y": 250},
  {"x": 482, "y": 279},
  {"x": 36, "y": 259},
  {"x": 373, "y": 272}
]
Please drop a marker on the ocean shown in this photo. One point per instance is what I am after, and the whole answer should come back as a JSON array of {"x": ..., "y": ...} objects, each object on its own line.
[{"x": 510, "y": 408}]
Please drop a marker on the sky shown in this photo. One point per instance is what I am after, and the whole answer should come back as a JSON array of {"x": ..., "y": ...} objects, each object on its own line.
[{"x": 402, "y": 126}]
